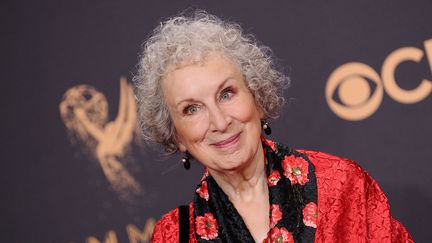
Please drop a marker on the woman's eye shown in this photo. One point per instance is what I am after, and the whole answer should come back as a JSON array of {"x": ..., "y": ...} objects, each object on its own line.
[
  {"x": 190, "y": 109},
  {"x": 226, "y": 95}
]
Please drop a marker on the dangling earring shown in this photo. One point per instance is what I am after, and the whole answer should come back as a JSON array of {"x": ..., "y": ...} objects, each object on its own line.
[
  {"x": 186, "y": 161},
  {"x": 266, "y": 127}
]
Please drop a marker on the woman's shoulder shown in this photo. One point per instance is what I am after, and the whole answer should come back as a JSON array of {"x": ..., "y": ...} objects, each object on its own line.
[
  {"x": 339, "y": 177},
  {"x": 348, "y": 194},
  {"x": 334, "y": 166},
  {"x": 167, "y": 227}
]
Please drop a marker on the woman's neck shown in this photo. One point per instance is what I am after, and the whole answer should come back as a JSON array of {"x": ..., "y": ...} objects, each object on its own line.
[
  {"x": 244, "y": 184},
  {"x": 247, "y": 189}
]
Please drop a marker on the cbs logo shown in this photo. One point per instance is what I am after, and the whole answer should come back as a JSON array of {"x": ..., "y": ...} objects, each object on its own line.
[{"x": 354, "y": 91}]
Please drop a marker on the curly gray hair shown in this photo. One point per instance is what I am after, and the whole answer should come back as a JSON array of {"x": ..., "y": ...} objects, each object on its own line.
[{"x": 181, "y": 40}]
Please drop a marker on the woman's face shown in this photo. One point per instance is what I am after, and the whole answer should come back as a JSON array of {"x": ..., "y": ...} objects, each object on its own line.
[{"x": 214, "y": 113}]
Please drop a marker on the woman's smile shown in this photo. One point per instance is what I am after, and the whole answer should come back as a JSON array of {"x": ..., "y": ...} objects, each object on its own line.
[{"x": 228, "y": 143}]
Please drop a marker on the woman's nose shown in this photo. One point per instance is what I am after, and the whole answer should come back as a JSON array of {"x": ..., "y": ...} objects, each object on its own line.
[{"x": 219, "y": 121}]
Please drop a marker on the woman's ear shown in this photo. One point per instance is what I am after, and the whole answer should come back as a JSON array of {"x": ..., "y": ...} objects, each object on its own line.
[
  {"x": 260, "y": 112},
  {"x": 181, "y": 147}
]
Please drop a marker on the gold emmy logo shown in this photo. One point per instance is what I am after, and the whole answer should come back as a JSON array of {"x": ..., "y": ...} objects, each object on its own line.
[
  {"x": 354, "y": 91},
  {"x": 135, "y": 235},
  {"x": 84, "y": 111}
]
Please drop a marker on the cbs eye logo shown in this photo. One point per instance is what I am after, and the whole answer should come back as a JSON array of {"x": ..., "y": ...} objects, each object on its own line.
[{"x": 352, "y": 82}]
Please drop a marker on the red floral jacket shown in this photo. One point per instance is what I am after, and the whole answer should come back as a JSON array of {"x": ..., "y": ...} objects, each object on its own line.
[{"x": 351, "y": 207}]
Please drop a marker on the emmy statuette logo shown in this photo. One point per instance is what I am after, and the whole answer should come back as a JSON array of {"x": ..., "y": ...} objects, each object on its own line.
[
  {"x": 350, "y": 81},
  {"x": 84, "y": 111}
]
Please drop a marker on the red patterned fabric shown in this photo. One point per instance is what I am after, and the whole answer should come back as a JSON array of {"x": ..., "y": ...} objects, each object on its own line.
[{"x": 351, "y": 207}]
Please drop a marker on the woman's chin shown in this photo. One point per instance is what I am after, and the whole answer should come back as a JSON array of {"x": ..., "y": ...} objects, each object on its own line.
[{"x": 234, "y": 163}]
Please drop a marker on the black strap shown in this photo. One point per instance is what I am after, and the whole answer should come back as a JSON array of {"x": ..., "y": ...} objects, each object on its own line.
[{"x": 184, "y": 223}]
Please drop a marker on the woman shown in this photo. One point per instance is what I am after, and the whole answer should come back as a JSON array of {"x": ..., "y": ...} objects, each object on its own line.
[{"x": 205, "y": 89}]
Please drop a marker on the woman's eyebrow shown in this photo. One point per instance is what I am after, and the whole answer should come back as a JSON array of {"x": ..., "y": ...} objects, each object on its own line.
[
  {"x": 220, "y": 86},
  {"x": 186, "y": 100}
]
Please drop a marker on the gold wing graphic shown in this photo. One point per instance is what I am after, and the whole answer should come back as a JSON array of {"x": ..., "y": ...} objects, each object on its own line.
[{"x": 84, "y": 112}]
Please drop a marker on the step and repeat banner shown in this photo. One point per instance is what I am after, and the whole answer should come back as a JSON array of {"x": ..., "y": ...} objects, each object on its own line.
[{"x": 74, "y": 166}]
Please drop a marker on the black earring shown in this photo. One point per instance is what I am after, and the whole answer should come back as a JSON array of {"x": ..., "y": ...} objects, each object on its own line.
[
  {"x": 186, "y": 161},
  {"x": 266, "y": 127}
]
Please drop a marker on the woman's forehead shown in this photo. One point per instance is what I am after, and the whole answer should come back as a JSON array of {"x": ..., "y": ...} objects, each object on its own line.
[{"x": 198, "y": 80}]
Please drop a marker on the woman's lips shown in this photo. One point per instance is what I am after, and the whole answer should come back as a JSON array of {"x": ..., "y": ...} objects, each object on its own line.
[{"x": 228, "y": 142}]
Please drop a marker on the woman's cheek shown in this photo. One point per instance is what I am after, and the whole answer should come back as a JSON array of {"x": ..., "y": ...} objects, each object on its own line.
[
  {"x": 243, "y": 111},
  {"x": 195, "y": 129}
]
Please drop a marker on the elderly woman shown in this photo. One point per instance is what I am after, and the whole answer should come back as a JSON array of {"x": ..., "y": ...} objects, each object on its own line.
[{"x": 206, "y": 90}]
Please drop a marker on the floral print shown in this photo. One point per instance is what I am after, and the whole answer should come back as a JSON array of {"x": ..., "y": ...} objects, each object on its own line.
[
  {"x": 271, "y": 144},
  {"x": 310, "y": 214},
  {"x": 207, "y": 226},
  {"x": 275, "y": 215},
  {"x": 296, "y": 169},
  {"x": 290, "y": 186},
  {"x": 203, "y": 191},
  {"x": 273, "y": 178},
  {"x": 279, "y": 235}
]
